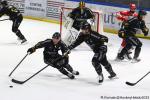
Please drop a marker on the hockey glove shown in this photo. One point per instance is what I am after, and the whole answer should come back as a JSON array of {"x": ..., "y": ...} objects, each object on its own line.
[
  {"x": 121, "y": 33},
  {"x": 31, "y": 50},
  {"x": 145, "y": 31},
  {"x": 66, "y": 53},
  {"x": 104, "y": 39},
  {"x": 70, "y": 47}
]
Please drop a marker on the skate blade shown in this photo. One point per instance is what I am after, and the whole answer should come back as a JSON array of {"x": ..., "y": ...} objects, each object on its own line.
[
  {"x": 113, "y": 78},
  {"x": 128, "y": 58},
  {"x": 118, "y": 60},
  {"x": 24, "y": 43},
  {"x": 135, "y": 61}
]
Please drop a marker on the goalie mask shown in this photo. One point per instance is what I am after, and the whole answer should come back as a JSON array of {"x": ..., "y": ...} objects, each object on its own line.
[{"x": 81, "y": 4}]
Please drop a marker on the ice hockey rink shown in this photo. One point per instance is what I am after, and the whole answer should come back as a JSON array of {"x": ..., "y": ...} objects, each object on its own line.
[{"x": 52, "y": 85}]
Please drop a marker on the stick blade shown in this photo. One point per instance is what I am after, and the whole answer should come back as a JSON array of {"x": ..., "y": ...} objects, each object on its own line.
[
  {"x": 131, "y": 84},
  {"x": 16, "y": 81}
]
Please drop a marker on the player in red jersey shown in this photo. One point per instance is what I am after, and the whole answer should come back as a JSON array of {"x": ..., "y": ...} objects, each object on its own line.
[
  {"x": 123, "y": 16},
  {"x": 128, "y": 14}
]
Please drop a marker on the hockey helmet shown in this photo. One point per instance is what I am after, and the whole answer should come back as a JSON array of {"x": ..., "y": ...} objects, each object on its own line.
[
  {"x": 81, "y": 4},
  {"x": 85, "y": 25},
  {"x": 56, "y": 35},
  {"x": 142, "y": 13},
  {"x": 4, "y": 2},
  {"x": 132, "y": 6}
]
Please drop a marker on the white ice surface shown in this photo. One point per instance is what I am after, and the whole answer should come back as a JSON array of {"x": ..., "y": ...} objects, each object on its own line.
[{"x": 50, "y": 84}]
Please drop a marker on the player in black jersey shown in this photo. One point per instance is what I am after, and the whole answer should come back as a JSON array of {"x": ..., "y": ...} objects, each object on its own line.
[
  {"x": 74, "y": 20},
  {"x": 96, "y": 42},
  {"x": 14, "y": 15},
  {"x": 81, "y": 14},
  {"x": 51, "y": 48},
  {"x": 129, "y": 34}
]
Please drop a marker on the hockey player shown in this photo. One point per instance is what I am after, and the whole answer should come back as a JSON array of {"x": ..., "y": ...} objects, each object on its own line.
[
  {"x": 76, "y": 17},
  {"x": 130, "y": 29},
  {"x": 51, "y": 48},
  {"x": 81, "y": 14},
  {"x": 96, "y": 42},
  {"x": 124, "y": 16},
  {"x": 14, "y": 15}
]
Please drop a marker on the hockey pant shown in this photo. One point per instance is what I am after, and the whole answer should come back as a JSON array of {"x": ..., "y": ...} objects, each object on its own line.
[
  {"x": 101, "y": 59},
  {"x": 123, "y": 44},
  {"x": 132, "y": 41},
  {"x": 61, "y": 64},
  {"x": 15, "y": 26}
]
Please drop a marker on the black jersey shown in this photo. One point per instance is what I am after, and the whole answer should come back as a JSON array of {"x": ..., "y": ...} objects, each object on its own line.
[
  {"x": 133, "y": 25},
  {"x": 79, "y": 14},
  {"x": 10, "y": 11},
  {"x": 94, "y": 40},
  {"x": 50, "y": 49}
]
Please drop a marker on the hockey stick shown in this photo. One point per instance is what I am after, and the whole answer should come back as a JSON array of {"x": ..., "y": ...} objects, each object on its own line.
[
  {"x": 22, "y": 82},
  {"x": 4, "y": 19},
  {"x": 18, "y": 64},
  {"x": 132, "y": 84}
]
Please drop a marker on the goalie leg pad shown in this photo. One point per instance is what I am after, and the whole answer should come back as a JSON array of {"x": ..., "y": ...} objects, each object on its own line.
[{"x": 70, "y": 36}]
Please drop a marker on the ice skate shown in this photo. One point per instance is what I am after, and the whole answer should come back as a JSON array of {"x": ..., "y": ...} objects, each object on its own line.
[
  {"x": 75, "y": 72},
  {"x": 128, "y": 57},
  {"x": 113, "y": 75},
  {"x": 101, "y": 78},
  {"x": 135, "y": 60},
  {"x": 70, "y": 76},
  {"x": 24, "y": 41},
  {"x": 119, "y": 57}
]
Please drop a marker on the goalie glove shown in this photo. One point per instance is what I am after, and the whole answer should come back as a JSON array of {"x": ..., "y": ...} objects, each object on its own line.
[{"x": 91, "y": 21}]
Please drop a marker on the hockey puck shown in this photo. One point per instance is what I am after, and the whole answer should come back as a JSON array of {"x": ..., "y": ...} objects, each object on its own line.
[{"x": 11, "y": 86}]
